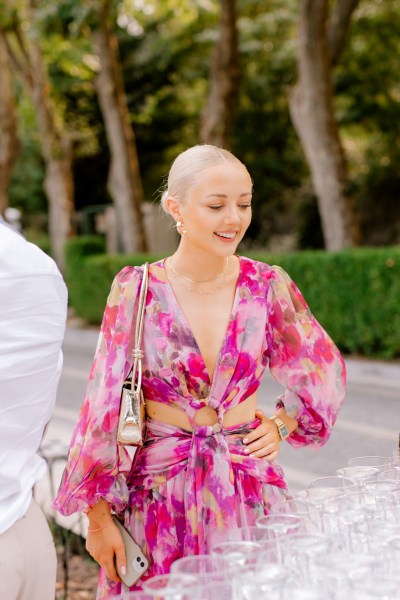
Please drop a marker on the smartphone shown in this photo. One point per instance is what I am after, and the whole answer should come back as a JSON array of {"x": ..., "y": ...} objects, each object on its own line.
[{"x": 136, "y": 562}]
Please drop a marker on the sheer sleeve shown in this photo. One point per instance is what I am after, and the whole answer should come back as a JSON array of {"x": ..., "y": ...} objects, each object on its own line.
[
  {"x": 304, "y": 359},
  {"x": 96, "y": 466}
]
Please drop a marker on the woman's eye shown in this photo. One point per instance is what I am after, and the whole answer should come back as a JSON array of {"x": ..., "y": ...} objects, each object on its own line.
[{"x": 218, "y": 206}]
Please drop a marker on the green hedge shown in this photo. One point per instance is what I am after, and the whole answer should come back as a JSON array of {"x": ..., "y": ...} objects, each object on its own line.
[
  {"x": 89, "y": 274},
  {"x": 355, "y": 294}
]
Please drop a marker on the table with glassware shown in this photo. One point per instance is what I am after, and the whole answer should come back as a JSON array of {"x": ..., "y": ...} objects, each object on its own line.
[{"x": 338, "y": 539}]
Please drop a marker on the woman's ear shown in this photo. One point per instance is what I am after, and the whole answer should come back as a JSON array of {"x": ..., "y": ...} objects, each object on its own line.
[{"x": 174, "y": 208}]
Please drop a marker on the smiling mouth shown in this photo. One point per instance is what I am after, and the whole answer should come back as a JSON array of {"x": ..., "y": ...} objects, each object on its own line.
[{"x": 226, "y": 236}]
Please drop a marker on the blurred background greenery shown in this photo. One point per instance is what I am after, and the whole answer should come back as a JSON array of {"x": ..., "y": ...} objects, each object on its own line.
[
  {"x": 166, "y": 50},
  {"x": 99, "y": 96}
]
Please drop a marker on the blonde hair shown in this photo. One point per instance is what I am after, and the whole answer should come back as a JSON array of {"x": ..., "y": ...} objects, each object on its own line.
[{"x": 187, "y": 166}]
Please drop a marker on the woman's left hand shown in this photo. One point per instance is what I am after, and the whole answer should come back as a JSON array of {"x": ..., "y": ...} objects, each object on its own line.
[{"x": 264, "y": 441}]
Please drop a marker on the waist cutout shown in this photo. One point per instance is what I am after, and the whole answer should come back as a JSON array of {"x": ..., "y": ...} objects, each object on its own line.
[
  {"x": 173, "y": 414},
  {"x": 159, "y": 429}
]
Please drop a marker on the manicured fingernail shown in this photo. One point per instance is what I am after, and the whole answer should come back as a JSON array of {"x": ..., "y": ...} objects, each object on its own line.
[
  {"x": 123, "y": 570},
  {"x": 246, "y": 441},
  {"x": 247, "y": 450}
]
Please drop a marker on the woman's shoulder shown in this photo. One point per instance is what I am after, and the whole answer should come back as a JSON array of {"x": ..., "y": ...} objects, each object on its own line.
[
  {"x": 131, "y": 276},
  {"x": 256, "y": 268},
  {"x": 262, "y": 269}
]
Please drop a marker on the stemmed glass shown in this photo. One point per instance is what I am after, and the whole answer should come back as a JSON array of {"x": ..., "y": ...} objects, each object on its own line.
[
  {"x": 173, "y": 586},
  {"x": 339, "y": 568},
  {"x": 266, "y": 582},
  {"x": 299, "y": 550},
  {"x": 377, "y": 588},
  {"x": 392, "y": 474},
  {"x": 223, "y": 590},
  {"x": 278, "y": 525},
  {"x": 295, "y": 592},
  {"x": 311, "y": 515},
  {"x": 252, "y": 534},
  {"x": 359, "y": 474},
  {"x": 380, "y": 462},
  {"x": 238, "y": 553},
  {"x": 396, "y": 457},
  {"x": 204, "y": 567},
  {"x": 327, "y": 495},
  {"x": 324, "y": 488}
]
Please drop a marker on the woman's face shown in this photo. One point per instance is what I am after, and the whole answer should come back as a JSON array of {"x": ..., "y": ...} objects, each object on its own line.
[{"x": 217, "y": 209}]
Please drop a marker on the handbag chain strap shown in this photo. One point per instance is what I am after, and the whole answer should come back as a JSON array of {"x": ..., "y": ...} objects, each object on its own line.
[{"x": 137, "y": 352}]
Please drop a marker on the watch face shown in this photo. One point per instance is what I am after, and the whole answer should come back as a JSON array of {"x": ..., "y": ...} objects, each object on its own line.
[{"x": 283, "y": 431}]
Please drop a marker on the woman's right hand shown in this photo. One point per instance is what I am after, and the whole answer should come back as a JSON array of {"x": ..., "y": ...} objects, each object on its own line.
[{"x": 104, "y": 541}]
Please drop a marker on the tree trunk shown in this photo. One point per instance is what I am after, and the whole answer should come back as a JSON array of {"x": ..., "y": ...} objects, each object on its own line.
[
  {"x": 312, "y": 112},
  {"x": 124, "y": 181},
  {"x": 218, "y": 116},
  {"x": 9, "y": 143},
  {"x": 339, "y": 27},
  {"x": 57, "y": 153},
  {"x": 26, "y": 56}
]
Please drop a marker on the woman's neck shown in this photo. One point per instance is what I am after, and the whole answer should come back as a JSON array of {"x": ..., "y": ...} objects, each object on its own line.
[{"x": 199, "y": 265}]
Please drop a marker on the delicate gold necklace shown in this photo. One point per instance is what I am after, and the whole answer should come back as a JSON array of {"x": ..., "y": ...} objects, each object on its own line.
[{"x": 191, "y": 281}]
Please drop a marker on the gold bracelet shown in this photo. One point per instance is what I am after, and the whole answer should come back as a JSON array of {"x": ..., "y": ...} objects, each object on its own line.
[
  {"x": 99, "y": 528},
  {"x": 89, "y": 508}
]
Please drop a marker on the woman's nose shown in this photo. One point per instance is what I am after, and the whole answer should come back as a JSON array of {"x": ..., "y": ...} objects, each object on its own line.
[{"x": 233, "y": 216}]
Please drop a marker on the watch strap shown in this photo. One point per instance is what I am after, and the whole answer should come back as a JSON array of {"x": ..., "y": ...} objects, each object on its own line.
[{"x": 282, "y": 428}]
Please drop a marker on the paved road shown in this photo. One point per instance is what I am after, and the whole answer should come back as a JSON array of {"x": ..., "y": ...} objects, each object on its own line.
[{"x": 369, "y": 423}]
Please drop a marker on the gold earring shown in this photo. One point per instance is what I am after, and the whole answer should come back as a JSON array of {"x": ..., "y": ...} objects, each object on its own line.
[{"x": 179, "y": 224}]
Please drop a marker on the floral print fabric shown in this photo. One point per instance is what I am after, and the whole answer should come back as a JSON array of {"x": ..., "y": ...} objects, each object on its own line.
[{"x": 184, "y": 490}]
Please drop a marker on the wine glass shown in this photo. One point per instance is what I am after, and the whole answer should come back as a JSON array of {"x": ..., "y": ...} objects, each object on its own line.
[
  {"x": 238, "y": 553},
  {"x": 380, "y": 462},
  {"x": 330, "y": 487},
  {"x": 278, "y": 525},
  {"x": 359, "y": 474},
  {"x": 396, "y": 457},
  {"x": 223, "y": 590},
  {"x": 377, "y": 588},
  {"x": 295, "y": 592},
  {"x": 204, "y": 567},
  {"x": 299, "y": 550},
  {"x": 392, "y": 474},
  {"x": 265, "y": 538},
  {"x": 338, "y": 569},
  {"x": 266, "y": 582},
  {"x": 311, "y": 515},
  {"x": 172, "y": 586}
]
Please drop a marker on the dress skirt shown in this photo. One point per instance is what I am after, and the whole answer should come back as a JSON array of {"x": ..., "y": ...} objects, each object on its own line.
[{"x": 190, "y": 490}]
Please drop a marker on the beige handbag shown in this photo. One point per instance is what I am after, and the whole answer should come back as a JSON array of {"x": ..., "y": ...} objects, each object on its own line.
[{"x": 132, "y": 414}]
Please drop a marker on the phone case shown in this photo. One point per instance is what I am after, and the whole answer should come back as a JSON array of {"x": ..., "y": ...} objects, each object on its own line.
[{"x": 136, "y": 561}]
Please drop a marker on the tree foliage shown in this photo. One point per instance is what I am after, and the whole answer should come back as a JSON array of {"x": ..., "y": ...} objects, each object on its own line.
[{"x": 166, "y": 49}]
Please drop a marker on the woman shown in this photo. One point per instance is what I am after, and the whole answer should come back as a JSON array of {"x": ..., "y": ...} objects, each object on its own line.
[{"x": 214, "y": 321}]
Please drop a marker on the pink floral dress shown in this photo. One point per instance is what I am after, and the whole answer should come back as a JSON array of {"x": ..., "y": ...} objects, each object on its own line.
[{"x": 186, "y": 491}]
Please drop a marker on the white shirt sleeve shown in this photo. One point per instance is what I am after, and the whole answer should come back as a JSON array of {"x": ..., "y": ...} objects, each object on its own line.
[{"x": 33, "y": 305}]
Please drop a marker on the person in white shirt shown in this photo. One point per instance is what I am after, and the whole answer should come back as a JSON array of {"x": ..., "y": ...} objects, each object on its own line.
[{"x": 33, "y": 305}]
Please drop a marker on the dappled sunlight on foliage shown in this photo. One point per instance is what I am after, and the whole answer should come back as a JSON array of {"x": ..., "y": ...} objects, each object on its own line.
[{"x": 166, "y": 49}]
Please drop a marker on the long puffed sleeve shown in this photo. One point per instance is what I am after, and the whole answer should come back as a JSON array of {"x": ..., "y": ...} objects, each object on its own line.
[
  {"x": 97, "y": 466},
  {"x": 304, "y": 359}
]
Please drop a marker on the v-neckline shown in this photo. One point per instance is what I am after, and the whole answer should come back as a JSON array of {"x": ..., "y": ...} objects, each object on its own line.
[{"x": 211, "y": 381}]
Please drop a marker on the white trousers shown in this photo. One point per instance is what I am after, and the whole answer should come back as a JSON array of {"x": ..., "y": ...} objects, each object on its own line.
[{"x": 28, "y": 559}]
